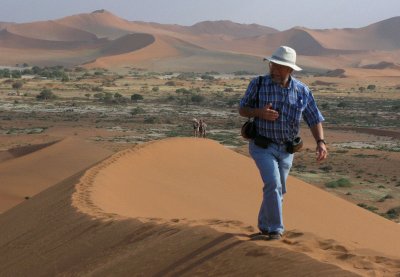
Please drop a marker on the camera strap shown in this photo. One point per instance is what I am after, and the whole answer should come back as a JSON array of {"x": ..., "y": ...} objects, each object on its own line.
[{"x": 257, "y": 98}]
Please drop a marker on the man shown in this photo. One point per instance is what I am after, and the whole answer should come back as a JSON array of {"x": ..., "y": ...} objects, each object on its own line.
[
  {"x": 282, "y": 101},
  {"x": 202, "y": 128}
]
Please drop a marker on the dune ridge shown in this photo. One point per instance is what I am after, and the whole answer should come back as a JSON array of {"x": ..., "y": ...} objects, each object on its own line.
[{"x": 125, "y": 186}]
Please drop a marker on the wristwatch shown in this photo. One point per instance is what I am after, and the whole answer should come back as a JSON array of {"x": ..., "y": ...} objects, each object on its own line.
[{"x": 321, "y": 140}]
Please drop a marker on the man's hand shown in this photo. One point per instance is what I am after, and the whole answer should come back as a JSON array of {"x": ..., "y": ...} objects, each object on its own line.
[
  {"x": 268, "y": 113},
  {"x": 321, "y": 152}
]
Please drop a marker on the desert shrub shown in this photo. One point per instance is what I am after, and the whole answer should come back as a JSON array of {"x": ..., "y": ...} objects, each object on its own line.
[
  {"x": 46, "y": 94},
  {"x": 182, "y": 91},
  {"x": 228, "y": 90},
  {"x": 395, "y": 108},
  {"x": 361, "y": 89},
  {"x": 342, "y": 182},
  {"x": 186, "y": 75},
  {"x": 150, "y": 120},
  {"x": 387, "y": 196},
  {"x": 107, "y": 97},
  {"x": 393, "y": 213},
  {"x": 207, "y": 77},
  {"x": 170, "y": 83},
  {"x": 16, "y": 74},
  {"x": 137, "y": 110},
  {"x": 371, "y": 87},
  {"x": 17, "y": 85},
  {"x": 325, "y": 106},
  {"x": 326, "y": 168},
  {"x": 155, "y": 89},
  {"x": 367, "y": 207},
  {"x": 243, "y": 72},
  {"x": 342, "y": 104},
  {"x": 97, "y": 89},
  {"x": 117, "y": 95},
  {"x": 136, "y": 97},
  {"x": 65, "y": 78},
  {"x": 170, "y": 98},
  {"x": 99, "y": 95},
  {"x": 197, "y": 98}
]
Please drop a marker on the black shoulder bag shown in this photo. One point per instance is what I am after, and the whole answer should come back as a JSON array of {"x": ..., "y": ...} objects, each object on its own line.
[{"x": 249, "y": 128}]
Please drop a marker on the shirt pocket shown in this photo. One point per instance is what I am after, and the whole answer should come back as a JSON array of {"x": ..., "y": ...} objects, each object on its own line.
[{"x": 295, "y": 110}]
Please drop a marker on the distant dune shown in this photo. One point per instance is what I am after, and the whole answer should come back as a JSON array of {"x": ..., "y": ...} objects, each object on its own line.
[
  {"x": 229, "y": 28},
  {"x": 50, "y": 30},
  {"x": 15, "y": 41},
  {"x": 185, "y": 206},
  {"x": 84, "y": 36},
  {"x": 101, "y": 23},
  {"x": 128, "y": 43},
  {"x": 26, "y": 175},
  {"x": 382, "y": 65}
]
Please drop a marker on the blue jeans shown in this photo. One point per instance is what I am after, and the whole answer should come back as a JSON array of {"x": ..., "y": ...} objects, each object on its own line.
[{"x": 274, "y": 164}]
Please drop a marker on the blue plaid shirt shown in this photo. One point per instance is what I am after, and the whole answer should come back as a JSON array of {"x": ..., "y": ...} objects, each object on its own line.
[{"x": 292, "y": 103}]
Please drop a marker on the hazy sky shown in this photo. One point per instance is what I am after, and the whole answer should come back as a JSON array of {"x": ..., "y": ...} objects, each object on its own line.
[{"x": 279, "y": 14}]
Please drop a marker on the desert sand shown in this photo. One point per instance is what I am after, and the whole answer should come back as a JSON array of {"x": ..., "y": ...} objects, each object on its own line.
[{"x": 184, "y": 206}]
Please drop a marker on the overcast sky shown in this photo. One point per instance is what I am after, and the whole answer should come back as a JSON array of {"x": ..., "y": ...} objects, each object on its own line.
[{"x": 279, "y": 14}]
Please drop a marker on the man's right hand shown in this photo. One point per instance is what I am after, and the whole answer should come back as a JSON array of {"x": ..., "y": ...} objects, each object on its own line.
[{"x": 267, "y": 113}]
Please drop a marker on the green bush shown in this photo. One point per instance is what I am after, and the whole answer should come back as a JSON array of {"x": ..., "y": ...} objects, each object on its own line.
[
  {"x": 342, "y": 182},
  {"x": 46, "y": 94},
  {"x": 365, "y": 206},
  {"x": 197, "y": 98},
  {"x": 136, "y": 97},
  {"x": 137, "y": 110},
  {"x": 393, "y": 213}
]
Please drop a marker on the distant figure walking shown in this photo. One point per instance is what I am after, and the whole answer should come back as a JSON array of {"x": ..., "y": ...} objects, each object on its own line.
[
  {"x": 202, "y": 128},
  {"x": 196, "y": 127}
]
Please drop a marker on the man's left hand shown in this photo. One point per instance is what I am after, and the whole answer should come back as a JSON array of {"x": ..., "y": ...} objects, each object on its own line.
[{"x": 322, "y": 152}]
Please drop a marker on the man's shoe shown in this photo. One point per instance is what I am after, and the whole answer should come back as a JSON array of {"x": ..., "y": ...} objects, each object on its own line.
[
  {"x": 274, "y": 236},
  {"x": 262, "y": 235}
]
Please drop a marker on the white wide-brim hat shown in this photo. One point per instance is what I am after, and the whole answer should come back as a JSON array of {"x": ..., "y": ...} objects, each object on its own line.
[{"x": 284, "y": 55}]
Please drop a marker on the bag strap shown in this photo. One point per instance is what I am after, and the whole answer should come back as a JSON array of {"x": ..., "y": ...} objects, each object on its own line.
[{"x": 259, "y": 83}]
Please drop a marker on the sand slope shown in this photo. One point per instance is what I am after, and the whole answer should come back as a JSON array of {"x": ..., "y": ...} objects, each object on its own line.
[
  {"x": 29, "y": 174},
  {"x": 184, "y": 206}
]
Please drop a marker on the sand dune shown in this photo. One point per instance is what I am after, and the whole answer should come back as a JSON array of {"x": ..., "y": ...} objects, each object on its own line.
[
  {"x": 101, "y": 23},
  {"x": 159, "y": 49},
  {"x": 83, "y": 38},
  {"x": 50, "y": 30},
  {"x": 29, "y": 174},
  {"x": 200, "y": 179},
  {"x": 184, "y": 206},
  {"x": 229, "y": 28},
  {"x": 14, "y": 41},
  {"x": 128, "y": 43}
]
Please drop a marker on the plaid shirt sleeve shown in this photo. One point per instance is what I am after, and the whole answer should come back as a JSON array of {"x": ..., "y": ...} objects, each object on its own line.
[
  {"x": 249, "y": 98},
  {"x": 311, "y": 114}
]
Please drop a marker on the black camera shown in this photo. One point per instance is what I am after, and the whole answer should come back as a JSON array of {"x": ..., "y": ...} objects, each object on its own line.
[{"x": 294, "y": 146}]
